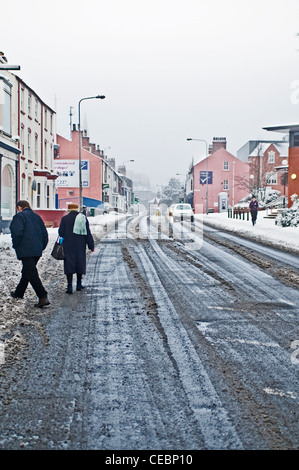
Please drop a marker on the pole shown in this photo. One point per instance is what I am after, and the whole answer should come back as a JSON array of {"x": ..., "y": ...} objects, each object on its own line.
[
  {"x": 207, "y": 178},
  {"x": 80, "y": 163},
  {"x": 207, "y": 193},
  {"x": 1, "y": 192},
  {"x": 233, "y": 204}
]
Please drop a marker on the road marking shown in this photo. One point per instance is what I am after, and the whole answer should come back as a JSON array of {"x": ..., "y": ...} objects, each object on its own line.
[{"x": 280, "y": 393}]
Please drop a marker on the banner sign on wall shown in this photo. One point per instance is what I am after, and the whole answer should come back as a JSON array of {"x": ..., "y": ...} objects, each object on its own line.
[
  {"x": 68, "y": 173},
  {"x": 206, "y": 177}
]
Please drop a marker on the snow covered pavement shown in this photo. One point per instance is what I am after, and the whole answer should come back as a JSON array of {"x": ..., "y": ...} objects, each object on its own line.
[{"x": 265, "y": 231}]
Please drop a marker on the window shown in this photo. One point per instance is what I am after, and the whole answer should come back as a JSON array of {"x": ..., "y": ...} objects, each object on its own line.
[
  {"x": 46, "y": 154},
  {"x": 29, "y": 104},
  {"x": 271, "y": 178},
  {"x": 22, "y": 138},
  {"x": 46, "y": 119},
  {"x": 36, "y": 149},
  {"x": 36, "y": 109},
  {"x": 48, "y": 197},
  {"x": 225, "y": 166},
  {"x": 22, "y": 187},
  {"x": 271, "y": 157},
  {"x": 7, "y": 109},
  {"x": 38, "y": 190},
  {"x": 29, "y": 144},
  {"x": 296, "y": 139},
  {"x": 7, "y": 192},
  {"x": 22, "y": 99},
  {"x": 225, "y": 184}
]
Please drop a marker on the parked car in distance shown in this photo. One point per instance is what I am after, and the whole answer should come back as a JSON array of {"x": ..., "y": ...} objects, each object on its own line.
[{"x": 182, "y": 212}]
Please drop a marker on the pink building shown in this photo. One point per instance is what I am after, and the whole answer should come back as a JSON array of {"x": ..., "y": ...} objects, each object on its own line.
[
  {"x": 222, "y": 179},
  {"x": 67, "y": 167}
]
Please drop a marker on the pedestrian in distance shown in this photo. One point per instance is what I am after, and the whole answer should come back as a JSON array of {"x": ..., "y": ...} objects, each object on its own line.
[
  {"x": 29, "y": 239},
  {"x": 253, "y": 206},
  {"x": 75, "y": 231}
]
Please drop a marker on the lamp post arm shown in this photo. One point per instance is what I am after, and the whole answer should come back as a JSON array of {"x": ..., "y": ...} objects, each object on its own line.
[{"x": 79, "y": 126}]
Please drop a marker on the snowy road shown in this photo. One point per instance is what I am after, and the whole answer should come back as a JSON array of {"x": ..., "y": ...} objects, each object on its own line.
[{"x": 178, "y": 342}]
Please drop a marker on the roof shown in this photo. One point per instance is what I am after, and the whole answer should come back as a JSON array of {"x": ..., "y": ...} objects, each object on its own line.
[
  {"x": 260, "y": 149},
  {"x": 283, "y": 128},
  {"x": 222, "y": 151}
]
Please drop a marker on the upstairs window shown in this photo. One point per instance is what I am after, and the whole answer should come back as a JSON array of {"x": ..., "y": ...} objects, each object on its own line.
[
  {"x": 226, "y": 166},
  {"x": 36, "y": 149},
  {"x": 29, "y": 104},
  {"x": 22, "y": 99},
  {"x": 36, "y": 109},
  {"x": 7, "y": 107},
  {"x": 296, "y": 139},
  {"x": 29, "y": 144},
  {"x": 271, "y": 157}
]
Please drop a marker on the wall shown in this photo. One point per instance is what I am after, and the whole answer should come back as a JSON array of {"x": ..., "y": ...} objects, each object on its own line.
[
  {"x": 51, "y": 218},
  {"x": 237, "y": 176},
  {"x": 293, "y": 169},
  {"x": 69, "y": 150}
]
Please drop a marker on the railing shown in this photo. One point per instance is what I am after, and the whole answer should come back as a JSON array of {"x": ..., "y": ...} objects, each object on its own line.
[{"x": 238, "y": 214}]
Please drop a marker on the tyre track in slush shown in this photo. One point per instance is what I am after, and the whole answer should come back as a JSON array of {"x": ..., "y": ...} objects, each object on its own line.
[
  {"x": 164, "y": 372},
  {"x": 263, "y": 381},
  {"x": 134, "y": 401}
]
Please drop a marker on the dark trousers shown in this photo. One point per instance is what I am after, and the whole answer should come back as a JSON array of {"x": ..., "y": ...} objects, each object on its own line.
[
  {"x": 30, "y": 275},
  {"x": 253, "y": 217}
]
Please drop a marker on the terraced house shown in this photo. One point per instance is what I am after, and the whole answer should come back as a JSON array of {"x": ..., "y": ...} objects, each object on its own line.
[{"x": 28, "y": 127}]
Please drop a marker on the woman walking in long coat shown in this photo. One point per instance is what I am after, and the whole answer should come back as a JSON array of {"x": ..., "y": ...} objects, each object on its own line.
[{"x": 75, "y": 231}]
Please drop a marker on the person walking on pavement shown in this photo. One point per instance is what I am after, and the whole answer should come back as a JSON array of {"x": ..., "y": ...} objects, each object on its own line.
[
  {"x": 29, "y": 239},
  {"x": 253, "y": 206},
  {"x": 75, "y": 231}
]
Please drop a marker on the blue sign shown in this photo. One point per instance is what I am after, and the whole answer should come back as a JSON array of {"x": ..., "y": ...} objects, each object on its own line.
[
  {"x": 206, "y": 177},
  {"x": 84, "y": 165}
]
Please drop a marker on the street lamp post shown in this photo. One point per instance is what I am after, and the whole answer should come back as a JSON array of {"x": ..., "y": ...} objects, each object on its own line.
[
  {"x": 207, "y": 179},
  {"x": 101, "y": 97}
]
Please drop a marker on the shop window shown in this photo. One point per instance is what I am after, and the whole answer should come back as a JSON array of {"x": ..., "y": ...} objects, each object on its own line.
[{"x": 7, "y": 192}]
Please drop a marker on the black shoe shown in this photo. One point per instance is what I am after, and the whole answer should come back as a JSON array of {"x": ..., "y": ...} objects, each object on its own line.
[
  {"x": 13, "y": 294},
  {"x": 69, "y": 290},
  {"x": 80, "y": 287},
  {"x": 42, "y": 302}
]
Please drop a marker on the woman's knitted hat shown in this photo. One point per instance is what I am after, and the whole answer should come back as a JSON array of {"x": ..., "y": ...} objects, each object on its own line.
[{"x": 72, "y": 207}]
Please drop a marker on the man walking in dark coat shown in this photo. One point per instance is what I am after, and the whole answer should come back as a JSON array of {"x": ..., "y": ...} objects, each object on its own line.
[
  {"x": 75, "y": 231},
  {"x": 29, "y": 239},
  {"x": 253, "y": 206}
]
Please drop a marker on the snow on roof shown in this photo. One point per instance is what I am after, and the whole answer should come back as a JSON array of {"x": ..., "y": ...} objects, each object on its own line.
[{"x": 261, "y": 148}]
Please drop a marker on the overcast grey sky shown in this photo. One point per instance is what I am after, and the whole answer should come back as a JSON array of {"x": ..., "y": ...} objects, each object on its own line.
[{"x": 169, "y": 69}]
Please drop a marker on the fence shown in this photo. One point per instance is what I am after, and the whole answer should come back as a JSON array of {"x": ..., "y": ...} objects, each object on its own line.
[{"x": 238, "y": 214}]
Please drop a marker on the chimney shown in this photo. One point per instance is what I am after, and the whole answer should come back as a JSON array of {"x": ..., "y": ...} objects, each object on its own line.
[
  {"x": 218, "y": 143},
  {"x": 122, "y": 170},
  {"x": 111, "y": 162}
]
